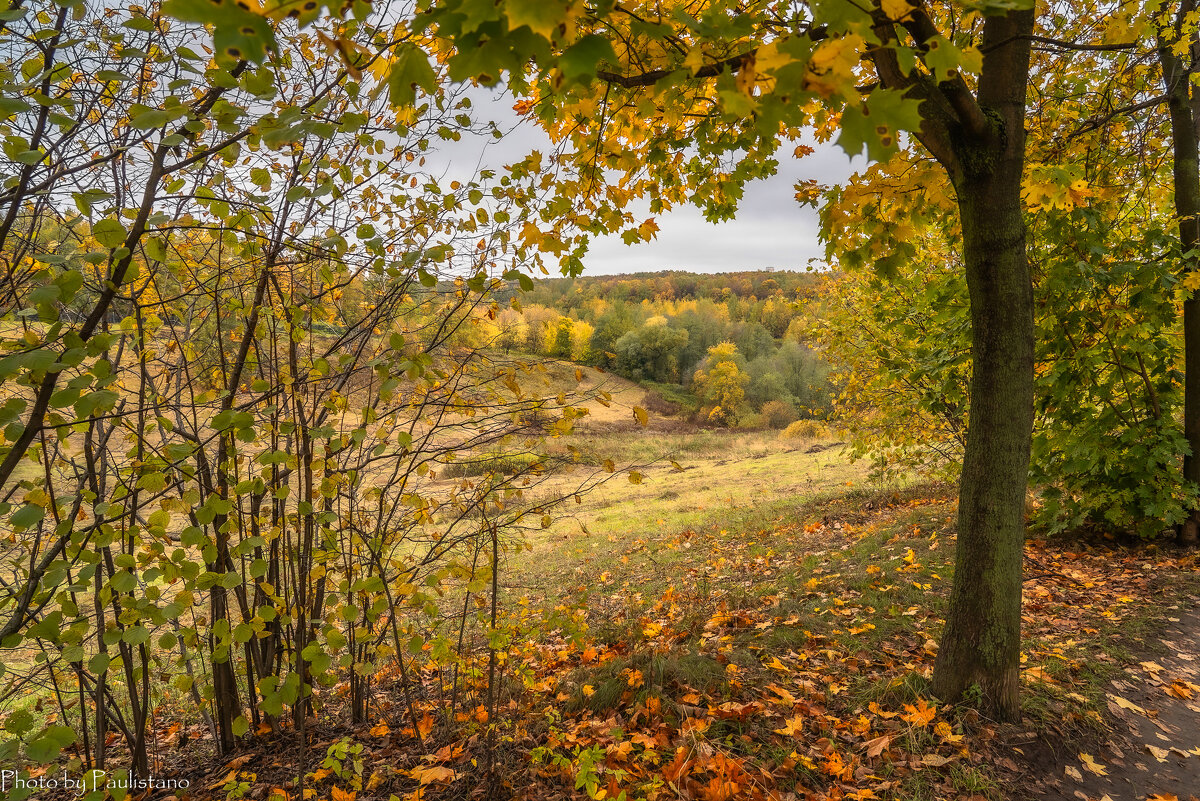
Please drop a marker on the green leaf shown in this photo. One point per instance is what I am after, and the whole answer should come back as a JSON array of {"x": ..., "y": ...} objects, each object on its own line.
[
  {"x": 409, "y": 71},
  {"x": 149, "y": 118},
  {"x": 19, "y": 721},
  {"x": 123, "y": 581},
  {"x": 237, "y": 33},
  {"x": 580, "y": 59},
  {"x": 136, "y": 635},
  {"x": 27, "y": 516},
  {"x": 109, "y": 233}
]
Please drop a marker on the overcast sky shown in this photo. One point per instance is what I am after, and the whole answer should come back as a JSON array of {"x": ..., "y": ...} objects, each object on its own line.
[{"x": 771, "y": 228}]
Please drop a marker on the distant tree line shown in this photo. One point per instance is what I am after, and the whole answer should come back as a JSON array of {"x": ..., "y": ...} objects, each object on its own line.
[{"x": 694, "y": 338}]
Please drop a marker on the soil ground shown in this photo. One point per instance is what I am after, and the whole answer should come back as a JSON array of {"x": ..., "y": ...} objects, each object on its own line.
[{"x": 1153, "y": 748}]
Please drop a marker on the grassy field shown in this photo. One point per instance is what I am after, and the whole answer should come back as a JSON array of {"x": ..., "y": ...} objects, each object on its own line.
[{"x": 744, "y": 480}]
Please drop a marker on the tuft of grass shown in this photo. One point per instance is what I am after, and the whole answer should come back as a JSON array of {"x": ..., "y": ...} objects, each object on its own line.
[{"x": 490, "y": 463}]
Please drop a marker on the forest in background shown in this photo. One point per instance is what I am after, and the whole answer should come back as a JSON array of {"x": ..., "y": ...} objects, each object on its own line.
[{"x": 727, "y": 349}]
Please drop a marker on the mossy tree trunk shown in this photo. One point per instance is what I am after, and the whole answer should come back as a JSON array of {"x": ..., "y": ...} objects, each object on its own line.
[
  {"x": 978, "y": 135},
  {"x": 982, "y": 641},
  {"x": 1181, "y": 106}
]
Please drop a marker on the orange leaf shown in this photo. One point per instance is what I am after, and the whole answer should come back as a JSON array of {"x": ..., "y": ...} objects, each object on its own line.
[
  {"x": 430, "y": 775},
  {"x": 338, "y": 794},
  {"x": 919, "y": 715}
]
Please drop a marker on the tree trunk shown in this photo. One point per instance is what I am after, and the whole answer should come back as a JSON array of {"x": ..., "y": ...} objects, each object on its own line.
[
  {"x": 1186, "y": 164},
  {"x": 982, "y": 641},
  {"x": 981, "y": 645}
]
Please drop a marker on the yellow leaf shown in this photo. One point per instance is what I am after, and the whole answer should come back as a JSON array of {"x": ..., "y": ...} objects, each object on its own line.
[
  {"x": 896, "y": 10},
  {"x": 946, "y": 733},
  {"x": 694, "y": 59},
  {"x": 1092, "y": 765},
  {"x": 831, "y": 67},
  {"x": 792, "y": 727},
  {"x": 1160, "y": 754},
  {"x": 769, "y": 58},
  {"x": 1125, "y": 703},
  {"x": 640, "y": 414},
  {"x": 649, "y": 228},
  {"x": 338, "y": 794}
]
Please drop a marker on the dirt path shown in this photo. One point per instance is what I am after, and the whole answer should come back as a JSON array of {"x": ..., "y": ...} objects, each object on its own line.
[{"x": 1154, "y": 747}]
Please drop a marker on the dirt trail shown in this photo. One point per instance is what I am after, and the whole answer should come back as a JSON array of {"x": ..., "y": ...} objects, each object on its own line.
[{"x": 1153, "y": 750}]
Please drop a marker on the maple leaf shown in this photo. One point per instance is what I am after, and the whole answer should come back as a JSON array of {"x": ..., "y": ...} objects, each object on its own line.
[
  {"x": 919, "y": 715},
  {"x": 831, "y": 68},
  {"x": 338, "y": 794},
  {"x": 380, "y": 729}
]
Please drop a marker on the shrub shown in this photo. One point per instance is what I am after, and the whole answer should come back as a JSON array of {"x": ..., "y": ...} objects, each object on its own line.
[
  {"x": 805, "y": 429},
  {"x": 778, "y": 414}
]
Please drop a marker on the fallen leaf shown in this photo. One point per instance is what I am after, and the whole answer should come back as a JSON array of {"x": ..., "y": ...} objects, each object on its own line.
[
  {"x": 878, "y": 745},
  {"x": 1125, "y": 703},
  {"x": 1092, "y": 765},
  {"x": 1074, "y": 773},
  {"x": 919, "y": 715},
  {"x": 437, "y": 773},
  {"x": 1160, "y": 754},
  {"x": 792, "y": 727}
]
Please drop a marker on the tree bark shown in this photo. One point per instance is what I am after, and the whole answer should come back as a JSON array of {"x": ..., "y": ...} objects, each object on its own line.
[
  {"x": 1177, "y": 77},
  {"x": 981, "y": 644}
]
